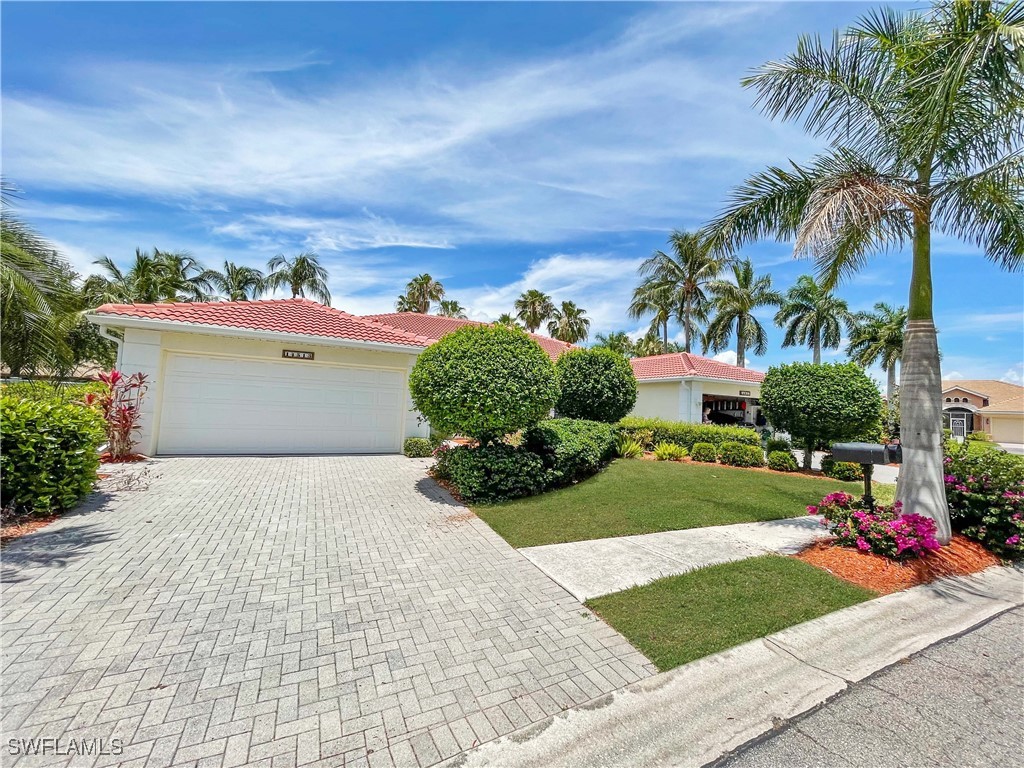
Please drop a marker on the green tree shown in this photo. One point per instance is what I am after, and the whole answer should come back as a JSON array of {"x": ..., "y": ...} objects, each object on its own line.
[
  {"x": 616, "y": 341},
  {"x": 922, "y": 114},
  {"x": 507, "y": 320},
  {"x": 533, "y": 307},
  {"x": 878, "y": 337},
  {"x": 820, "y": 403},
  {"x": 301, "y": 275},
  {"x": 237, "y": 282},
  {"x": 734, "y": 302},
  {"x": 569, "y": 323},
  {"x": 451, "y": 308},
  {"x": 813, "y": 317},
  {"x": 420, "y": 293},
  {"x": 685, "y": 273},
  {"x": 160, "y": 276},
  {"x": 653, "y": 298},
  {"x": 595, "y": 384}
]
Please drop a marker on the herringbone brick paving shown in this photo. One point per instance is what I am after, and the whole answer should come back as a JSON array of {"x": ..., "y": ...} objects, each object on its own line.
[{"x": 284, "y": 612}]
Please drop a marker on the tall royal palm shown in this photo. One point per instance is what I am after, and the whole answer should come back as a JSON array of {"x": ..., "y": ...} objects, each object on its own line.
[
  {"x": 813, "y": 317},
  {"x": 878, "y": 337},
  {"x": 420, "y": 293},
  {"x": 569, "y": 323},
  {"x": 733, "y": 303},
  {"x": 685, "y": 272},
  {"x": 301, "y": 275},
  {"x": 533, "y": 307},
  {"x": 655, "y": 298},
  {"x": 237, "y": 282},
  {"x": 923, "y": 117}
]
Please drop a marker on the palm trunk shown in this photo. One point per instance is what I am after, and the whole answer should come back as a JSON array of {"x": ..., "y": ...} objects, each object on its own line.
[
  {"x": 687, "y": 311},
  {"x": 664, "y": 334},
  {"x": 890, "y": 383},
  {"x": 817, "y": 347},
  {"x": 741, "y": 348},
  {"x": 920, "y": 487}
]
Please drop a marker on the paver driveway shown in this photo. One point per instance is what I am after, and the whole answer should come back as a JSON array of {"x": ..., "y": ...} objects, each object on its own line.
[{"x": 284, "y": 611}]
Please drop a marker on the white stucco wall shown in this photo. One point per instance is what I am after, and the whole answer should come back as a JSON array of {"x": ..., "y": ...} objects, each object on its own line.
[
  {"x": 683, "y": 400},
  {"x": 146, "y": 352}
]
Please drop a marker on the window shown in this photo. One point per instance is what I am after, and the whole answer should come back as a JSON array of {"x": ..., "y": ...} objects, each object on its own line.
[
  {"x": 949, "y": 400},
  {"x": 956, "y": 399}
]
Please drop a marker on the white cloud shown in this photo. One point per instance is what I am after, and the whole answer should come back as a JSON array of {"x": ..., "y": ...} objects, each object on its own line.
[
  {"x": 953, "y": 376},
  {"x": 726, "y": 357},
  {"x": 1014, "y": 375}
]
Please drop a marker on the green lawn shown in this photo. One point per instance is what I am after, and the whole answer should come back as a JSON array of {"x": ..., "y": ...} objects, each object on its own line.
[
  {"x": 681, "y": 618},
  {"x": 633, "y": 496}
]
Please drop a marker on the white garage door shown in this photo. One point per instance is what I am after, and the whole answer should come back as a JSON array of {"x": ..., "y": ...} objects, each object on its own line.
[{"x": 224, "y": 405}]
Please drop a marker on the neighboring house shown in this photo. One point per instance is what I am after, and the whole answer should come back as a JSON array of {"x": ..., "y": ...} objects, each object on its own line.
[
  {"x": 984, "y": 405},
  {"x": 687, "y": 387},
  {"x": 285, "y": 376}
]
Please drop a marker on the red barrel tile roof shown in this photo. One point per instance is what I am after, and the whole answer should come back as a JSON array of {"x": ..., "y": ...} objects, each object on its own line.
[
  {"x": 434, "y": 327},
  {"x": 679, "y": 364},
  {"x": 298, "y": 316}
]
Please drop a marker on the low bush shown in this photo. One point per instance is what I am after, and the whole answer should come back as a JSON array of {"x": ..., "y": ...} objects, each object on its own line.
[
  {"x": 492, "y": 472},
  {"x": 669, "y": 452},
  {"x": 628, "y": 448},
  {"x": 782, "y": 461},
  {"x": 739, "y": 455},
  {"x": 685, "y": 434},
  {"x": 884, "y": 530},
  {"x": 985, "y": 492},
  {"x": 49, "y": 454},
  {"x": 570, "y": 449},
  {"x": 705, "y": 452},
  {"x": 775, "y": 444},
  {"x": 841, "y": 470},
  {"x": 417, "y": 447},
  {"x": 980, "y": 437},
  {"x": 595, "y": 384},
  {"x": 45, "y": 391}
]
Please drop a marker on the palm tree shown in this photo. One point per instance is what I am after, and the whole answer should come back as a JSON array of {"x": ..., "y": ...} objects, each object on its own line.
[
  {"x": 922, "y": 114},
  {"x": 509, "y": 321},
  {"x": 617, "y": 341},
  {"x": 651, "y": 345},
  {"x": 237, "y": 283},
  {"x": 813, "y": 317},
  {"x": 184, "y": 278},
  {"x": 655, "y": 298},
  {"x": 406, "y": 304},
  {"x": 301, "y": 275},
  {"x": 420, "y": 292},
  {"x": 734, "y": 303},
  {"x": 685, "y": 273},
  {"x": 533, "y": 307},
  {"x": 569, "y": 323},
  {"x": 878, "y": 337},
  {"x": 451, "y": 308},
  {"x": 163, "y": 276}
]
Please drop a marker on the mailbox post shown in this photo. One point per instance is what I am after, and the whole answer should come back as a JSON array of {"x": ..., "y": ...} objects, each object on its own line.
[{"x": 867, "y": 455}]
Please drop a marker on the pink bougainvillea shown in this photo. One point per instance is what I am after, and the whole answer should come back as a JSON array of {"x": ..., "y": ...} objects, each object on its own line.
[{"x": 884, "y": 530}]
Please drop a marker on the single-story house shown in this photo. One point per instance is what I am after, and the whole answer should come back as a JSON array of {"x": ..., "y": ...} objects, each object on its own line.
[
  {"x": 685, "y": 387},
  {"x": 984, "y": 405},
  {"x": 287, "y": 376}
]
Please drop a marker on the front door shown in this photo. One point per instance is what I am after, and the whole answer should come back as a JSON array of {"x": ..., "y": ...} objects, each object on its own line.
[{"x": 958, "y": 424}]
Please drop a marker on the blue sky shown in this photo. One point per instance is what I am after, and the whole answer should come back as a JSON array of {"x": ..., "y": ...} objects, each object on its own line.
[{"x": 499, "y": 147}]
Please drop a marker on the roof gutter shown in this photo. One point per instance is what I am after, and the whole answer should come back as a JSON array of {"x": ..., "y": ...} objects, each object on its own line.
[
  {"x": 669, "y": 379},
  {"x": 105, "y": 321}
]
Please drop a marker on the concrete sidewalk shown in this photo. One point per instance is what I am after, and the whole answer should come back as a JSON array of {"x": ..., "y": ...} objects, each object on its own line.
[
  {"x": 693, "y": 715},
  {"x": 601, "y": 566}
]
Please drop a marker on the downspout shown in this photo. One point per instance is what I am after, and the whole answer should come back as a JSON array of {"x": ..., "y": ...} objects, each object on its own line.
[{"x": 118, "y": 342}]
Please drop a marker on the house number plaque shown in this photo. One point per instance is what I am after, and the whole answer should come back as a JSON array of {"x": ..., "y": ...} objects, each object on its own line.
[{"x": 295, "y": 354}]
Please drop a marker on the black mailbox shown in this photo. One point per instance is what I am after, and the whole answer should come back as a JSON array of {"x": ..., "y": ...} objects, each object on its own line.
[{"x": 861, "y": 453}]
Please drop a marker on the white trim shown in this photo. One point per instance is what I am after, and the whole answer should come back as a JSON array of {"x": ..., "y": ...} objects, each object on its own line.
[
  {"x": 116, "y": 321},
  {"x": 965, "y": 389},
  {"x": 1000, "y": 413},
  {"x": 664, "y": 379}
]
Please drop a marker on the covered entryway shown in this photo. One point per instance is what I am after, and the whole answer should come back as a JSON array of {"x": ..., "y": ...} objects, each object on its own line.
[{"x": 228, "y": 405}]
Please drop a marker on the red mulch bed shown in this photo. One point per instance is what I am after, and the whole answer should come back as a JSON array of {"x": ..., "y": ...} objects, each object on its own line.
[
  {"x": 959, "y": 558},
  {"x": 16, "y": 530},
  {"x": 106, "y": 458}
]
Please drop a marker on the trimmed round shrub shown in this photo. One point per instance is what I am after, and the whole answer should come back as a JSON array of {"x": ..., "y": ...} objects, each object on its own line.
[
  {"x": 595, "y": 384},
  {"x": 847, "y": 471},
  {"x": 571, "y": 449},
  {"x": 49, "y": 454},
  {"x": 739, "y": 455},
  {"x": 775, "y": 444},
  {"x": 782, "y": 461},
  {"x": 483, "y": 381},
  {"x": 705, "y": 452},
  {"x": 417, "y": 448},
  {"x": 493, "y": 472},
  {"x": 669, "y": 452}
]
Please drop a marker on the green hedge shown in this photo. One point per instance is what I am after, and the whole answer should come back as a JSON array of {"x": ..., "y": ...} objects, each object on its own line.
[
  {"x": 492, "y": 472},
  {"x": 776, "y": 444},
  {"x": 49, "y": 453},
  {"x": 46, "y": 392},
  {"x": 739, "y": 455},
  {"x": 841, "y": 470},
  {"x": 687, "y": 435},
  {"x": 417, "y": 447},
  {"x": 782, "y": 461},
  {"x": 704, "y": 452},
  {"x": 571, "y": 449}
]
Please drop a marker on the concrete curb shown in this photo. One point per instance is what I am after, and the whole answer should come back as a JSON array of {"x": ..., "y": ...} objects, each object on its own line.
[{"x": 695, "y": 714}]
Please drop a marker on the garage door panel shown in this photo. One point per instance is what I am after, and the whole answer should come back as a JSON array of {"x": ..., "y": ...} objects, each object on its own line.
[{"x": 223, "y": 405}]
